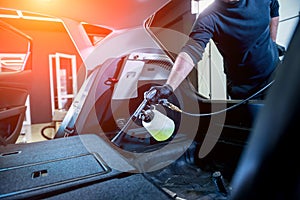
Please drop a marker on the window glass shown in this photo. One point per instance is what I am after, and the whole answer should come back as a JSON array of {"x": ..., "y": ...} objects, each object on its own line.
[{"x": 14, "y": 49}]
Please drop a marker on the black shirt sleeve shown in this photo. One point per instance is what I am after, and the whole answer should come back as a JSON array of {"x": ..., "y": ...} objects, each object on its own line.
[{"x": 274, "y": 8}]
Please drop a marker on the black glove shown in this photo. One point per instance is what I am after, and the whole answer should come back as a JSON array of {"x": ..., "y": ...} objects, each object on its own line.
[{"x": 155, "y": 93}]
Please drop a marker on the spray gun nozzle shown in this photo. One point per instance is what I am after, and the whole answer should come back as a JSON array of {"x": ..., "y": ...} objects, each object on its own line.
[{"x": 166, "y": 103}]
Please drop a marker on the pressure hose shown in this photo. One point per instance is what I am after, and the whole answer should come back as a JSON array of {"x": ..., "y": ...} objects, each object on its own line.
[{"x": 171, "y": 106}]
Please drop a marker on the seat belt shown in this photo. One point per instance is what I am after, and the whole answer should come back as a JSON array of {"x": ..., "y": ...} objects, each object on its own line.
[{"x": 73, "y": 113}]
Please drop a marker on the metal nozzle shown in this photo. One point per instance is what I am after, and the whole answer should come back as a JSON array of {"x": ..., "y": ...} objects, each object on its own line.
[
  {"x": 166, "y": 103},
  {"x": 140, "y": 108}
]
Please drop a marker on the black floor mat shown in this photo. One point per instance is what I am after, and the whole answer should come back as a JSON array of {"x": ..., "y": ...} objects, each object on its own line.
[{"x": 187, "y": 181}]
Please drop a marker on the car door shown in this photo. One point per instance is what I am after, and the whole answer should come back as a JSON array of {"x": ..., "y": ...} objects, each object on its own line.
[{"x": 15, "y": 81}]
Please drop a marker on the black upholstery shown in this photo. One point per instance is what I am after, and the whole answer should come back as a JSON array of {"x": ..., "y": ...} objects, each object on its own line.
[{"x": 269, "y": 167}]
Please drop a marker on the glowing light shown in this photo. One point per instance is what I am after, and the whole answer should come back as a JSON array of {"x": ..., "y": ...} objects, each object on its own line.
[{"x": 21, "y": 15}]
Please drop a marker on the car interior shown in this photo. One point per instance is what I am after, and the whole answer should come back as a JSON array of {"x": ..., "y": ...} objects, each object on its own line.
[{"x": 219, "y": 148}]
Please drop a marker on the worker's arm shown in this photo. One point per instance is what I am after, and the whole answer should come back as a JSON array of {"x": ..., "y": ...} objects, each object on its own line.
[
  {"x": 189, "y": 56},
  {"x": 274, "y": 27},
  {"x": 274, "y": 14},
  {"x": 182, "y": 67}
]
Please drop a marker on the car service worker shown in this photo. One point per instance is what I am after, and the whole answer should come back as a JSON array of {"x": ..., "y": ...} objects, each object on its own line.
[{"x": 244, "y": 32}]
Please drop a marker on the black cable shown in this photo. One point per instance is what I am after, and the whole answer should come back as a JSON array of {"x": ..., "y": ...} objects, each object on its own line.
[
  {"x": 175, "y": 108},
  {"x": 43, "y": 131},
  {"x": 287, "y": 19}
]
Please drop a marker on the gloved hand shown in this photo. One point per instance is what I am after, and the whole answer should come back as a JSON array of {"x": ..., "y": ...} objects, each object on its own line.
[{"x": 155, "y": 93}]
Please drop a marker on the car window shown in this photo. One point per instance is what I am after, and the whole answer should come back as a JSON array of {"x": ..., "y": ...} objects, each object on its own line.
[{"x": 15, "y": 49}]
